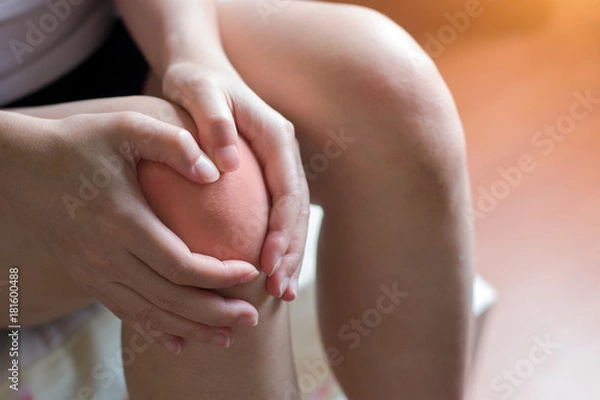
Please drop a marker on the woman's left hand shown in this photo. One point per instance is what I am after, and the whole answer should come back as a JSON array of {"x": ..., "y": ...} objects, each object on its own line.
[{"x": 222, "y": 106}]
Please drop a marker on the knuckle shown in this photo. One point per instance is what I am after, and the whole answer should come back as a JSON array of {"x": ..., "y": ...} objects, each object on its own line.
[
  {"x": 279, "y": 239},
  {"x": 162, "y": 157},
  {"x": 286, "y": 204},
  {"x": 189, "y": 90},
  {"x": 180, "y": 142},
  {"x": 224, "y": 313},
  {"x": 183, "y": 137},
  {"x": 171, "y": 139},
  {"x": 220, "y": 124},
  {"x": 305, "y": 212},
  {"x": 196, "y": 332},
  {"x": 287, "y": 130},
  {"x": 200, "y": 83},
  {"x": 294, "y": 197},
  {"x": 171, "y": 301},
  {"x": 177, "y": 273},
  {"x": 147, "y": 316},
  {"x": 129, "y": 120}
]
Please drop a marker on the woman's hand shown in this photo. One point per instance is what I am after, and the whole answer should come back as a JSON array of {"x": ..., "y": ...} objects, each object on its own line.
[
  {"x": 223, "y": 106},
  {"x": 72, "y": 184}
]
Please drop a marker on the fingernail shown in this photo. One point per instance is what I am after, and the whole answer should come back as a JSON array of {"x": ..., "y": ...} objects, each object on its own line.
[
  {"x": 249, "y": 277},
  {"x": 205, "y": 168},
  {"x": 227, "y": 158},
  {"x": 277, "y": 264},
  {"x": 295, "y": 287},
  {"x": 248, "y": 320},
  {"x": 220, "y": 339},
  {"x": 284, "y": 285},
  {"x": 173, "y": 346}
]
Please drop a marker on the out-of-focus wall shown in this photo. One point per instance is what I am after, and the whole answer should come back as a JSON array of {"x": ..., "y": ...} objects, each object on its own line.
[
  {"x": 485, "y": 17},
  {"x": 423, "y": 15}
]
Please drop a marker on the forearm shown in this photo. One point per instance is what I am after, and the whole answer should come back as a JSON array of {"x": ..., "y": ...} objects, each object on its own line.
[
  {"x": 9, "y": 125},
  {"x": 53, "y": 292},
  {"x": 40, "y": 275},
  {"x": 16, "y": 137},
  {"x": 168, "y": 33}
]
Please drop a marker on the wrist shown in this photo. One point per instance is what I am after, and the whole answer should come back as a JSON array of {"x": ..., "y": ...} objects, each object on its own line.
[
  {"x": 178, "y": 49},
  {"x": 181, "y": 80},
  {"x": 23, "y": 141}
]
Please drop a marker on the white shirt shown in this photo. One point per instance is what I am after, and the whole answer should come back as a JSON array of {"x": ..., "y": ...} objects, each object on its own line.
[{"x": 42, "y": 40}]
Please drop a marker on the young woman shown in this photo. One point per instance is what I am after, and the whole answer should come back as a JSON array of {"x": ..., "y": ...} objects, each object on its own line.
[{"x": 198, "y": 242}]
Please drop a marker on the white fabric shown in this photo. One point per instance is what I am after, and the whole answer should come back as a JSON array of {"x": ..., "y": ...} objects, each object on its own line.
[{"x": 41, "y": 40}]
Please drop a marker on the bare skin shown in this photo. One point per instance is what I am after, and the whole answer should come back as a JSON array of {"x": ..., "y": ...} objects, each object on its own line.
[
  {"x": 394, "y": 195},
  {"x": 394, "y": 202},
  {"x": 76, "y": 253}
]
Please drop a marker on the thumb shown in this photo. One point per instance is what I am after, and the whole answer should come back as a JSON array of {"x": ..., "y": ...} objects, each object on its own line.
[
  {"x": 211, "y": 110},
  {"x": 151, "y": 139}
]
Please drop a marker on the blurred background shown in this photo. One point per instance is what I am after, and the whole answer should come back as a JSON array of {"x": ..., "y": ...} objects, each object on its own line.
[{"x": 526, "y": 78}]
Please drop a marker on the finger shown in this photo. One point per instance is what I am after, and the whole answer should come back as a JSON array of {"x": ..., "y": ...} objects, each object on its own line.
[
  {"x": 284, "y": 282},
  {"x": 197, "y": 305},
  {"x": 134, "y": 310},
  {"x": 273, "y": 141},
  {"x": 211, "y": 110},
  {"x": 291, "y": 292},
  {"x": 298, "y": 244},
  {"x": 150, "y": 139},
  {"x": 171, "y": 343},
  {"x": 163, "y": 251}
]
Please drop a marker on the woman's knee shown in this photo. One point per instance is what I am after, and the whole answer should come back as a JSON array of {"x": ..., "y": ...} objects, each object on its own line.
[
  {"x": 408, "y": 127},
  {"x": 226, "y": 219}
]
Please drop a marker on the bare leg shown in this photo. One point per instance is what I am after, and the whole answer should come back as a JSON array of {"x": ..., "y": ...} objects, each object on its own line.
[
  {"x": 395, "y": 191},
  {"x": 227, "y": 219},
  {"x": 394, "y": 194},
  {"x": 385, "y": 158}
]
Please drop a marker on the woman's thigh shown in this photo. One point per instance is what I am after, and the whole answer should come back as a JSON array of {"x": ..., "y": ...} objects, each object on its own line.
[{"x": 333, "y": 70}]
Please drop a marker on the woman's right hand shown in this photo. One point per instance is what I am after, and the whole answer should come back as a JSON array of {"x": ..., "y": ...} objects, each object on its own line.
[{"x": 73, "y": 184}]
